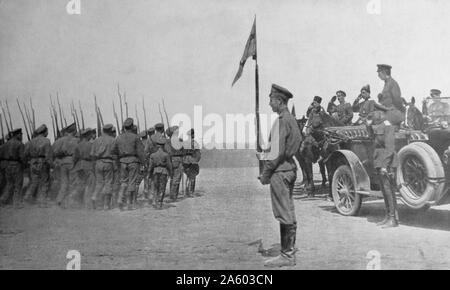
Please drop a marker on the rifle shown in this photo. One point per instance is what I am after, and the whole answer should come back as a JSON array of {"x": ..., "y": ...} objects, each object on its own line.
[
  {"x": 1, "y": 125},
  {"x": 60, "y": 111},
  {"x": 9, "y": 114},
  {"x": 58, "y": 133},
  {"x": 75, "y": 117},
  {"x": 33, "y": 115},
  {"x": 126, "y": 103},
  {"x": 115, "y": 116},
  {"x": 121, "y": 108},
  {"x": 137, "y": 118},
  {"x": 81, "y": 113},
  {"x": 27, "y": 114},
  {"x": 165, "y": 112},
  {"x": 53, "y": 124},
  {"x": 145, "y": 115},
  {"x": 97, "y": 112},
  {"x": 6, "y": 121},
  {"x": 23, "y": 119},
  {"x": 162, "y": 119}
]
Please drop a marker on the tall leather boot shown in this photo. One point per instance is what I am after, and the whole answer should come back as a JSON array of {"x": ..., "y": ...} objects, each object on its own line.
[
  {"x": 121, "y": 199},
  {"x": 287, "y": 254},
  {"x": 392, "y": 221},
  {"x": 131, "y": 200},
  {"x": 383, "y": 185}
]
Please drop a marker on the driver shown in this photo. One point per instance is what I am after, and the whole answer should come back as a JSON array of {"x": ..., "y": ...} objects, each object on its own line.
[{"x": 437, "y": 108}]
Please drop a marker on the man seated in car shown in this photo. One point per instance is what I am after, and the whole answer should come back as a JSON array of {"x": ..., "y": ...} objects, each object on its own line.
[{"x": 437, "y": 108}]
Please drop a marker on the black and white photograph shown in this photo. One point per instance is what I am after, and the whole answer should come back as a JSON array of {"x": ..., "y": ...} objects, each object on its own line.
[{"x": 224, "y": 135}]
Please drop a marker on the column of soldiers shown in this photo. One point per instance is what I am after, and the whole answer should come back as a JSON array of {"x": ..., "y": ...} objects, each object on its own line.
[{"x": 100, "y": 173}]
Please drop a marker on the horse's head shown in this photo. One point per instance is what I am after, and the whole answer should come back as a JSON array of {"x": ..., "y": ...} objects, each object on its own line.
[{"x": 301, "y": 123}]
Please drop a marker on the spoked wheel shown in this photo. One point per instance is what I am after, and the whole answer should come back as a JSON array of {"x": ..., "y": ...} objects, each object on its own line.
[
  {"x": 415, "y": 175},
  {"x": 345, "y": 198}
]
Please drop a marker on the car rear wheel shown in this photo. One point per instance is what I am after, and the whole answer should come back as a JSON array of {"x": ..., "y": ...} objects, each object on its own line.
[
  {"x": 345, "y": 198},
  {"x": 418, "y": 174}
]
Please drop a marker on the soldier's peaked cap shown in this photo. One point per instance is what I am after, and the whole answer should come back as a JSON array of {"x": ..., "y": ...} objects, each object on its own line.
[
  {"x": 278, "y": 91},
  {"x": 317, "y": 99},
  {"x": 72, "y": 128},
  {"x": 15, "y": 132},
  {"x": 383, "y": 67},
  {"x": 128, "y": 123},
  {"x": 143, "y": 134},
  {"x": 85, "y": 132},
  {"x": 341, "y": 93},
  {"x": 151, "y": 129},
  {"x": 366, "y": 88},
  {"x": 159, "y": 126},
  {"x": 435, "y": 92},
  {"x": 41, "y": 129},
  {"x": 108, "y": 128}
]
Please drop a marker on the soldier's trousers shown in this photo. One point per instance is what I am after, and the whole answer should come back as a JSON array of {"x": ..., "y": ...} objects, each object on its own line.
[
  {"x": 39, "y": 180},
  {"x": 176, "y": 178},
  {"x": 104, "y": 178},
  {"x": 81, "y": 183},
  {"x": 281, "y": 188},
  {"x": 159, "y": 183},
  {"x": 128, "y": 175},
  {"x": 66, "y": 179},
  {"x": 13, "y": 182}
]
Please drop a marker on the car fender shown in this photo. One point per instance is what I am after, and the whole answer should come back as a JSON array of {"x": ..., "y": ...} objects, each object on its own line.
[{"x": 362, "y": 180}]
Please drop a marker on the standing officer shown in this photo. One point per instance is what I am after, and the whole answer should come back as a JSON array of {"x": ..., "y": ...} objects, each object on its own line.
[
  {"x": 142, "y": 170},
  {"x": 385, "y": 163},
  {"x": 391, "y": 97},
  {"x": 83, "y": 169},
  {"x": 280, "y": 172},
  {"x": 64, "y": 149},
  {"x": 191, "y": 159},
  {"x": 102, "y": 153},
  {"x": 129, "y": 149},
  {"x": 343, "y": 111},
  {"x": 39, "y": 153},
  {"x": 160, "y": 167},
  {"x": 14, "y": 158},
  {"x": 176, "y": 153}
]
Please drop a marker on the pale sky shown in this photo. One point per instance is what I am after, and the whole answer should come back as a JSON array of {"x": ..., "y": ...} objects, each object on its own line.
[{"x": 188, "y": 52}]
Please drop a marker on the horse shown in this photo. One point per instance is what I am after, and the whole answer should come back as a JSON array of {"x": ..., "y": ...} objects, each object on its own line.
[{"x": 314, "y": 149}]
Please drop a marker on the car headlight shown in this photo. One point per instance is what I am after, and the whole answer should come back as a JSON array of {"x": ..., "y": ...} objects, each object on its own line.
[{"x": 444, "y": 124}]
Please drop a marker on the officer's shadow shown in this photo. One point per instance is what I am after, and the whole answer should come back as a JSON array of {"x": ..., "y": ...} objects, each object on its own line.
[
  {"x": 272, "y": 251},
  {"x": 432, "y": 218}
]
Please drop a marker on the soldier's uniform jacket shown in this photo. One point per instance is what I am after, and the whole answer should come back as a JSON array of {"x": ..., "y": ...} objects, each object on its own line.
[
  {"x": 14, "y": 151},
  {"x": 129, "y": 149},
  {"x": 438, "y": 108},
  {"x": 345, "y": 113},
  {"x": 282, "y": 150},
  {"x": 364, "y": 108},
  {"x": 102, "y": 148},
  {"x": 151, "y": 147},
  {"x": 160, "y": 163},
  {"x": 39, "y": 148},
  {"x": 82, "y": 156},
  {"x": 315, "y": 119},
  {"x": 176, "y": 155},
  {"x": 64, "y": 149},
  {"x": 392, "y": 98}
]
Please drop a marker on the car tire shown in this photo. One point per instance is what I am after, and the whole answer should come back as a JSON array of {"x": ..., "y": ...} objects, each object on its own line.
[
  {"x": 418, "y": 162},
  {"x": 346, "y": 200}
]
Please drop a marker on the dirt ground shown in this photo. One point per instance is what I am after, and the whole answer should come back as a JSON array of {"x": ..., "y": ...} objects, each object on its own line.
[{"x": 221, "y": 229}]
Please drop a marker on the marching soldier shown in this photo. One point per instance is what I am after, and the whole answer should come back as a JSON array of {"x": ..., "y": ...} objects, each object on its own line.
[
  {"x": 130, "y": 152},
  {"x": 39, "y": 154},
  {"x": 161, "y": 167},
  {"x": 63, "y": 150},
  {"x": 14, "y": 158},
  {"x": 343, "y": 111},
  {"x": 83, "y": 169},
  {"x": 142, "y": 170},
  {"x": 191, "y": 159},
  {"x": 102, "y": 153},
  {"x": 280, "y": 172},
  {"x": 176, "y": 153}
]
